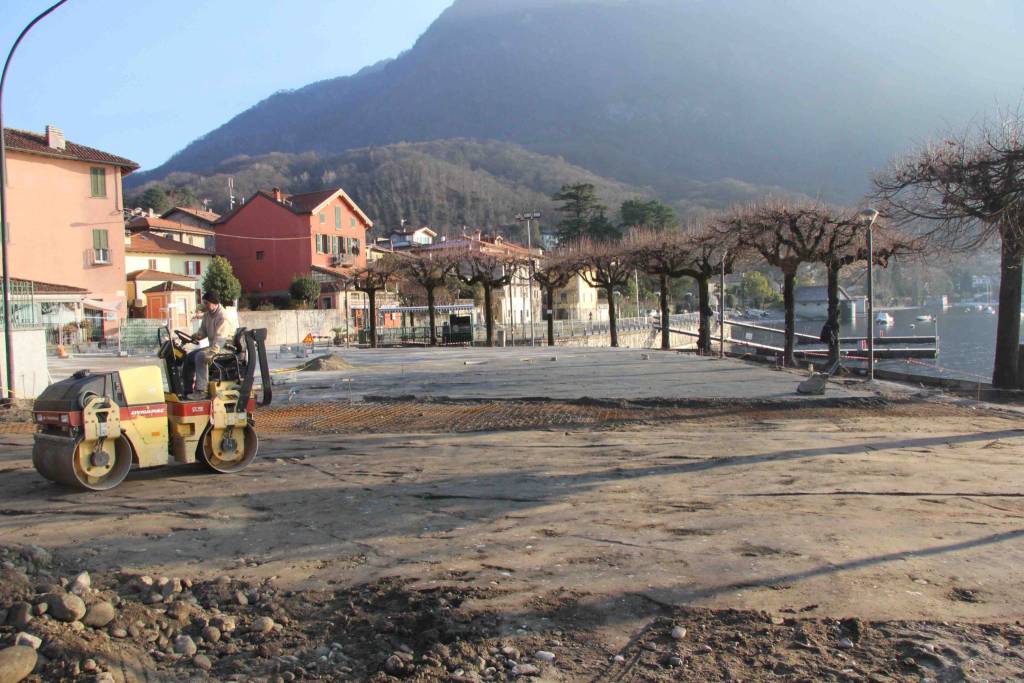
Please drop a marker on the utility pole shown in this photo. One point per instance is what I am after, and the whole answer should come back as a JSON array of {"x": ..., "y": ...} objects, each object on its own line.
[
  {"x": 527, "y": 217},
  {"x": 5, "y": 238}
]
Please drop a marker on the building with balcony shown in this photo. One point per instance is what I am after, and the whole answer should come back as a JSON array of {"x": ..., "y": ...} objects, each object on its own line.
[
  {"x": 66, "y": 221},
  {"x": 274, "y": 237}
]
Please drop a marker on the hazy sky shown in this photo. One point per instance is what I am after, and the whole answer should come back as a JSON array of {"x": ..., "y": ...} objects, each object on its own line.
[{"x": 143, "y": 78}]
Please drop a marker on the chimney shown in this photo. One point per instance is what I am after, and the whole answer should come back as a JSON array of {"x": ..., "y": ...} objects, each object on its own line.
[
  {"x": 55, "y": 138},
  {"x": 277, "y": 194},
  {"x": 152, "y": 214}
]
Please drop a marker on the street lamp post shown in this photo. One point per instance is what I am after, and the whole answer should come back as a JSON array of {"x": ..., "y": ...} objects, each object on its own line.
[
  {"x": 4, "y": 227},
  {"x": 527, "y": 217},
  {"x": 868, "y": 217},
  {"x": 721, "y": 309}
]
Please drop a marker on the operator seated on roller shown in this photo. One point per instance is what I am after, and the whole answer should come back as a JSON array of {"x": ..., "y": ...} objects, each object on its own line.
[{"x": 218, "y": 329}]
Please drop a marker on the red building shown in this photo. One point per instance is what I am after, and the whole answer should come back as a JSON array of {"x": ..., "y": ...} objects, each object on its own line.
[{"x": 274, "y": 237}]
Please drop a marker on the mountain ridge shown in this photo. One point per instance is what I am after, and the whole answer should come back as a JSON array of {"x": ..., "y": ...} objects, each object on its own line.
[{"x": 658, "y": 93}]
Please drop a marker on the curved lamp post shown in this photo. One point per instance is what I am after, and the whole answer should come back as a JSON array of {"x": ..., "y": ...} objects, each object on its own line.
[
  {"x": 868, "y": 217},
  {"x": 4, "y": 236}
]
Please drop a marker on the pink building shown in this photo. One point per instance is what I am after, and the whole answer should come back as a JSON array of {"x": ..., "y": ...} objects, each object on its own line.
[
  {"x": 274, "y": 237},
  {"x": 66, "y": 221}
]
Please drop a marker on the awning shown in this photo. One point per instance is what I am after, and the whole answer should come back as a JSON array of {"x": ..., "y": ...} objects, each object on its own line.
[{"x": 96, "y": 304}]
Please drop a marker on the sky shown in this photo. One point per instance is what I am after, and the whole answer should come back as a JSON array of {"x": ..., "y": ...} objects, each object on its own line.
[{"x": 143, "y": 78}]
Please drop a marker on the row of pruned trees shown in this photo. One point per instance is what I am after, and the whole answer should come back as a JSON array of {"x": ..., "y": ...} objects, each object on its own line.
[
  {"x": 782, "y": 234},
  {"x": 786, "y": 235},
  {"x": 432, "y": 269}
]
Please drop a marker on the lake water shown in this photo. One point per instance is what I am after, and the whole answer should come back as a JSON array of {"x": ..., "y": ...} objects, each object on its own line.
[{"x": 967, "y": 340}]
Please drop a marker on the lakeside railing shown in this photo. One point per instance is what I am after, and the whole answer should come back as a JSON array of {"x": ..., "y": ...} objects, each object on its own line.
[{"x": 519, "y": 333}]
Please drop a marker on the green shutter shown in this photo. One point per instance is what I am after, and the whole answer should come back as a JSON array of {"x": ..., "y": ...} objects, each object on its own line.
[
  {"x": 337, "y": 217},
  {"x": 323, "y": 218},
  {"x": 353, "y": 221},
  {"x": 98, "y": 178},
  {"x": 99, "y": 239}
]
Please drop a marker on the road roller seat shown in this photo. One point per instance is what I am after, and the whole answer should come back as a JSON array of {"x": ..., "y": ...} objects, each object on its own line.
[{"x": 227, "y": 365}]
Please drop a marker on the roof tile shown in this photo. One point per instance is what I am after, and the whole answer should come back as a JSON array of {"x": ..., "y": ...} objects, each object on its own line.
[{"x": 35, "y": 143}]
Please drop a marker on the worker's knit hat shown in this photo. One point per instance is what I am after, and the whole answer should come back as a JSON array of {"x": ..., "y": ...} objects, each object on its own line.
[{"x": 211, "y": 297}]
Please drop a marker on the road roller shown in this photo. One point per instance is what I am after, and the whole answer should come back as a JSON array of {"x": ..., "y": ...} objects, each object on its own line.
[{"x": 94, "y": 426}]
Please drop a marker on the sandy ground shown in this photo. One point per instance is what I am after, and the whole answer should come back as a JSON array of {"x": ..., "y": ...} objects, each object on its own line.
[{"x": 910, "y": 510}]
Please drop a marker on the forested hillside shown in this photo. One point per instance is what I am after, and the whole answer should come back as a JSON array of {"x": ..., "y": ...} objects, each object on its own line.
[{"x": 446, "y": 184}]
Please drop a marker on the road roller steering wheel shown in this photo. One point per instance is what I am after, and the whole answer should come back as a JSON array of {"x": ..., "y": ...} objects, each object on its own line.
[{"x": 186, "y": 338}]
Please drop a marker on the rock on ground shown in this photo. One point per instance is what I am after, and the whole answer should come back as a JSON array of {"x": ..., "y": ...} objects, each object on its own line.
[
  {"x": 65, "y": 606},
  {"x": 99, "y": 615},
  {"x": 16, "y": 663}
]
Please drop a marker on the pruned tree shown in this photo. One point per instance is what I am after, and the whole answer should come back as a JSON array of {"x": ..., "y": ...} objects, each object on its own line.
[
  {"x": 374, "y": 278},
  {"x": 786, "y": 235},
  {"x": 556, "y": 270},
  {"x": 606, "y": 266},
  {"x": 491, "y": 269},
  {"x": 965, "y": 191},
  {"x": 710, "y": 252},
  {"x": 430, "y": 269},
  {"x": 845, "y": 244},
  {"x": 665, "y": 254}
]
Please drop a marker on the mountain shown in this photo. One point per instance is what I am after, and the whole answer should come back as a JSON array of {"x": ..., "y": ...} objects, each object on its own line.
[
  {"x": 443, "y": 183},
  {"x": 803, "y": 94}
]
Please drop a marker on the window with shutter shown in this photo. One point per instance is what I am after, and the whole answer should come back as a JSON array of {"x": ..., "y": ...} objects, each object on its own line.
[
  {"x": 323, "y": 218},
  {"x": 98, "y": 180},
  {"x": 100, "y": 246},
  {"x": 352, "y": 221},
  {"x": 337, "y": 218},
  {"x": 152, "y": 264}
]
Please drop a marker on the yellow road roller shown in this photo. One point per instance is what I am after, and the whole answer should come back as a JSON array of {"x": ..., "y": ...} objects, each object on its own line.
[{"x": 92, "y": 427}]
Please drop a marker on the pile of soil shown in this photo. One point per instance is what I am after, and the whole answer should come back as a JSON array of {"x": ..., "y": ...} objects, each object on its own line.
[
  {"x": 326, "y": 362},
  {"x": 133, "y": 627}
]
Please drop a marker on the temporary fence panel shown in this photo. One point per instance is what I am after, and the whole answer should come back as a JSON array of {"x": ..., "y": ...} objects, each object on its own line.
[{"x": 140, "y": 335}]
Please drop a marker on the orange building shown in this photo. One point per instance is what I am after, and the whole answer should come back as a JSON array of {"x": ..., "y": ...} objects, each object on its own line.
[
  {"x": 274, "y": 237},
  {"x": 65, "y": 219}
]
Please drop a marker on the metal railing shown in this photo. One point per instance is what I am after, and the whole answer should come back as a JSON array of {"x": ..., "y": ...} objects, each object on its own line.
[{"x": 519, "y": 333}]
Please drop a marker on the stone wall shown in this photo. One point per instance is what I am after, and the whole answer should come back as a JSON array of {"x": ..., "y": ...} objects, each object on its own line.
[
  {"x": 291, "y": 327},
  {"x": 642, "y": 339}
]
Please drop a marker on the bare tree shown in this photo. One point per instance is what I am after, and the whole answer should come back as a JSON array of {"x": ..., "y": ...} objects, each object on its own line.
[
  {"x": 845, "y": 244},
  {"x": 491, "y": 269},
  {"x": 668, "y": 254},
  {"x": 555, "y": 270},
  {"x": 372, "y": 279},
  {"x": 786, "y": 235},
  {"x": 710, "y": 252},
  {"x": 970, "y": 187},
  {"x": 606, "y": 266},
  {"x": 430, "y": 269}
]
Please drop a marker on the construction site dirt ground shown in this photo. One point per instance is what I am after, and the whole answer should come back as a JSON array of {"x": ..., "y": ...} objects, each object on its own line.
[{"x": 588, "y": 524}]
